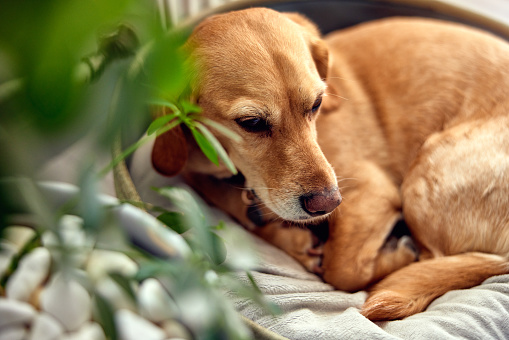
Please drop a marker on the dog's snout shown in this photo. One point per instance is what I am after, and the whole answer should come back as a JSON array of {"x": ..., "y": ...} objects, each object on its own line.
[{"x": 320, "y": 203}]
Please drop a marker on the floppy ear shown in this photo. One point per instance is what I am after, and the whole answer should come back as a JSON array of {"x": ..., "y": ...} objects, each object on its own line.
[
  {"x": 317, "y": 46},
  {"x": 169, "y": 153},
  {"x": 320, "y": 54}
]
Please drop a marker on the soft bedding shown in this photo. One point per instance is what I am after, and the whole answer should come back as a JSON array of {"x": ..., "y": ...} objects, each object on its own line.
[{"x": 312, "y": 309}]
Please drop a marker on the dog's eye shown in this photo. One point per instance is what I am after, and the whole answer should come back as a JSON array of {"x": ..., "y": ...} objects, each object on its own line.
[
  {"x": 316, "y": 104},
  {"x": 253, "y": 124}
]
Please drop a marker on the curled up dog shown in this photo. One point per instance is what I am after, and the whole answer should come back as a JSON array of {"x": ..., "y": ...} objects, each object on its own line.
[{"x": 400, "y": 118}]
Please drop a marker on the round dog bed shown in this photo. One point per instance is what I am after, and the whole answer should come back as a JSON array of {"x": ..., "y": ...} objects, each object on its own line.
[{"x": 311, "y": 308}]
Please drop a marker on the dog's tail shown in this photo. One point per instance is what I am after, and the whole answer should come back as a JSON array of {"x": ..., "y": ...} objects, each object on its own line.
[{"x": 411, "y": 289}]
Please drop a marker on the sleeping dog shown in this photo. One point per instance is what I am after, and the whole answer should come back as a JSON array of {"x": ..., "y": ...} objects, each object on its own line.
[{"x": 399, "y": 118}]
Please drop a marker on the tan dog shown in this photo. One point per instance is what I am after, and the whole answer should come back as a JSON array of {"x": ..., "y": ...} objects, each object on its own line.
[{"x": 415, "y": 120}]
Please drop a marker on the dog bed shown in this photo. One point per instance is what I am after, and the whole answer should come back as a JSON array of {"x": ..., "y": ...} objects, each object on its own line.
[{"x": 309, "y": 307}]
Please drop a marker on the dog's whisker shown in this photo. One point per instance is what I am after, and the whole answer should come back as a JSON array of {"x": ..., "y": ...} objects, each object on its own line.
[
  {"x": 338, "y": 78},
  {"x": 335, "y": 95},
  {"x": 346, "y": 179},
  {"x": 262, "y": 188}
]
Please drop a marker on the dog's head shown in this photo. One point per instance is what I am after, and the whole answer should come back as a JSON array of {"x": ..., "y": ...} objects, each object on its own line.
[{"x": 262, "y": 74}]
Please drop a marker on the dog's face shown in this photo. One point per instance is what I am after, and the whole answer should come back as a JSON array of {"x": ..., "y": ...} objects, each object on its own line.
[{"x": 261, "y": 74}]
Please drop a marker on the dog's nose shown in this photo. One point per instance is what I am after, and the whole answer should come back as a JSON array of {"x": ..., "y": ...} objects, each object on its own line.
[{"x": 320, "y": 203}]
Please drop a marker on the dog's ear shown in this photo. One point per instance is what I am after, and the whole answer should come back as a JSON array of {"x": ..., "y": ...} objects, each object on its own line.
[
  {"x": 320, "y": 54},
  {"x": 317, "y": 46},
  {"x": 169, "y": 153}
]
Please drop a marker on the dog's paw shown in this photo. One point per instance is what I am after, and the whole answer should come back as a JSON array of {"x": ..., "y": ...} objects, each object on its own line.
[
  {"x": 312, "y": 261},
  {"x": 305, "y": 247},
  {"x": 299, "y": 243}
]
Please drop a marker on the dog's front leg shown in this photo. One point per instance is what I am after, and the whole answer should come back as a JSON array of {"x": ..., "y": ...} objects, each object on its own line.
[{"x": 359, "y": 250}]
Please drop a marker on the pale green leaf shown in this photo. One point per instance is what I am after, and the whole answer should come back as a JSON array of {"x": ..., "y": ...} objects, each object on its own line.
[
  {"x": 165, "y": 103},
  {"x": 221, "y": 152},
  {"x": 222, "y": 129},
  {"x": 159, "y": 122}
]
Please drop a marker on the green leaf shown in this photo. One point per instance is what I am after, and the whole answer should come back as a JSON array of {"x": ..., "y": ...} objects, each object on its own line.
[
  {"x": 217, "y": 147},
  {"x": 222, "y": 129},
  {"x": 164, "y": 65},
  {"x": 190, "y": 107},
  {"x": 165, "y": 103},
  {"x": 174, "y": 221},
  {"x": 160, "y": 122},
  {"x": 159, "y": 267},
  {"x": 105, "y": 316},
  {"x": 206, "y": 146},
  {"x": 218, "y": 251},
  {"x": 133, "y": 147},
  {"x": 124, "y": 283},
  {"x": 147, "y": 270},
  {"x": 33, "y": 243},
  {"x": 258, "y": 297}
]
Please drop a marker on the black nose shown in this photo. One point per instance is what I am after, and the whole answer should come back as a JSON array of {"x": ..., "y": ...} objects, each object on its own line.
[{"x": 319, "y": 203}]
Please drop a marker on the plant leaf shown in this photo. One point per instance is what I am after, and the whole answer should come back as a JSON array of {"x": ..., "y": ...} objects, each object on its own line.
[
  {"x": 206, "y": 146},
  {"x": 222, "y": 129},
  {"x": 159, "y": 122},
  {"x": 217, "y": 147},
  {"x": 124, "y": 283},
  {"x": 105, "y": 316},
  {"x": 133, "y": 147},
  {"x": 162, "y": 102},
  {"x": 218, "y": 249},
  {"x": 174, "y": 221},
  {"x": 190, "y": 107}
]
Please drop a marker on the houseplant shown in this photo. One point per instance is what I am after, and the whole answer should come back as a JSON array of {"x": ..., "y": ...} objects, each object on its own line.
[{"x": 60, "y": 86}]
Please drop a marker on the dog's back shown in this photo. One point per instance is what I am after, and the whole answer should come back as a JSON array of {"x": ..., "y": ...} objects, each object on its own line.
[{"x": 408, "y": 78}]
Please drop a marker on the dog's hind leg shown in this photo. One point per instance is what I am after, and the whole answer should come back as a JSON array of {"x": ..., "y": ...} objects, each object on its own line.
[{"x": 455, "y": 201}]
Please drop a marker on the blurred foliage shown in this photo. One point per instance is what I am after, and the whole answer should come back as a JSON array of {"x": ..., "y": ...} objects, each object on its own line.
[
  {"x": 73, "y": 70},
  {"x": 48, "y": 55}
]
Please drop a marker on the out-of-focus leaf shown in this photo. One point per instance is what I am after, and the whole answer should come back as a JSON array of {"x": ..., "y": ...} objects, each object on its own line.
[
  {"x": 222, "y": 129},
  {"x": 105, "y": 316},
  {"x": 256, "y": 295},
  {"x": 90, "y": 208},
  {"x": 162, "y": 102},
  {"x": 158, "y": 267},
  {"x": 124, "y": 283},
  {"x": 189, "y": 107},
  {"x": 206, "y": 146},
  {"x": 217, "y": 250},
  {"x": 217, "y": 147},
  {"x": 159, "y": 122},
  {"x": 120, "y": 44},
  {"x": 164, "y": 66},
  {"x": 174, "y": 221},
  {"x": 33, "y": 243},
  {"x": 47, "y": 41},
  {"x": 184, "y": 202}
]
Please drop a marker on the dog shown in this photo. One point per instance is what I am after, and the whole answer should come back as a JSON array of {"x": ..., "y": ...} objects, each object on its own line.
[{"x": 400, "y": 118}]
